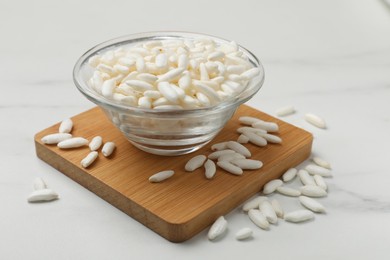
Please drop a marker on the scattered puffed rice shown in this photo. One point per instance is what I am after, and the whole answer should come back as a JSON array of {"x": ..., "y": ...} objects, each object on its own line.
[
  {"x": 256, "y": 139},
  {"x": 218, "y": 228},
  {"x": 258, "y": 218},
  {"x": 66, "y": 126},
  {"x": 89, "y": 159},
  {"x": 74, "y": 142},
  {"x": 55, "y": 138},
  {"x": 318, "y": 170},
  {"x": 253, "y": 203},
  {"x": 321, "y": 162},
  {"x": 239, "y": 148},
  {"x": 217, "y": 154},
  {"x": 313, "y": 191},
  {"x": 247, "y": 164},
  {"x": 320, "y": 182},
  {"x": 285, "y": 111},
  {"x": 299, "y": 216},
  {"x": 108, "y": 148},
  {"x": 271, "y": 186},
  {"x": 246, "y": 129},
  {"x": 277, "y": 208},
  {"x": 243, "y": 139},
  {"x": 244, "y": 233},
  {"x": 195, "y": 163},
  {"x": 248, "y": 120},
  {"x": 96, "y": 142},
  {"x": 315, "y": 120},
  {"x": 42, "y": 195},
  {"x": 290, "y": 174},
  {"x": 271, "y": 138},
  {"x": 267, "y": 126},
  {"x": 161, "y": 176},
  {"x": 268, "y": 211},
  {"x": 287, "y": 191},
  {"x": 229, "y": 167},
  {"x": 219, "y": 146},
  {"x": 230, "y": 157},
  {"x": 210, "y": 169},
  {"x": 312, "y": 204},
  {"x": 305, "y": 178}
]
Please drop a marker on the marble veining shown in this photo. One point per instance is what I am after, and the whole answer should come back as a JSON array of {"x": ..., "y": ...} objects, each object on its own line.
[
  {"x": 350, "y": 200},
  {"x": 331, "y": 58}
]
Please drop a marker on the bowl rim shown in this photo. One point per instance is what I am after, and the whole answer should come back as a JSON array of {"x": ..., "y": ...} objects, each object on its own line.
[{"x": 234, "y": 101}]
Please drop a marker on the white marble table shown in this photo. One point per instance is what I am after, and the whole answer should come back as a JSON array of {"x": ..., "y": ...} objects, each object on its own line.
[{"x": 331, "y": 58}]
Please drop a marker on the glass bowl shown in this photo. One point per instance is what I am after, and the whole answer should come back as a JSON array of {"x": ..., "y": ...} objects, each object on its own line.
[{"x": 164, "y": 132}]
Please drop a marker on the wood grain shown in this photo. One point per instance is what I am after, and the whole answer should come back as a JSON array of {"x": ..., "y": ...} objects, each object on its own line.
[{"x": 185, "y": 204}]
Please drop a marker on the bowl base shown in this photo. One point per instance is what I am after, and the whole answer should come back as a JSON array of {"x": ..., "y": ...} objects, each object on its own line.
[{"x": 171, "y": 151}]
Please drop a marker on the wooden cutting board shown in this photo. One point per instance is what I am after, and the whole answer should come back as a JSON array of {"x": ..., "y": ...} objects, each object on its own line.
[{"x": 187, "y": 203}]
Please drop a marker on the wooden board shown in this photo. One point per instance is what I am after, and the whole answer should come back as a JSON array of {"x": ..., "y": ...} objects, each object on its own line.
[{"x": 185, "y": 204}]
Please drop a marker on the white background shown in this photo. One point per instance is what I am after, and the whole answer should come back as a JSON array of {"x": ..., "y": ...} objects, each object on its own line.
[{"x": 331, "y": 58}]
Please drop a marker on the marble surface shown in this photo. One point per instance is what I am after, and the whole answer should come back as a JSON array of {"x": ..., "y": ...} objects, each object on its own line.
[{"x": 331, "y": 58}]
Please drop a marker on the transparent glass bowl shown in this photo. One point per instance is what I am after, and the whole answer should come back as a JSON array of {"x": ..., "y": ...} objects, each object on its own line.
[{"x": 162, "y": 132}]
